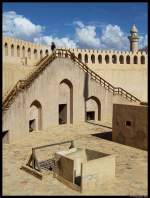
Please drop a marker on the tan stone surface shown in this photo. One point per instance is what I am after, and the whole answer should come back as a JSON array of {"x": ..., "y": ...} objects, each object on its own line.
[
  {"x": 131, "y": 163},
  {"x": 135, "y": 134},
  {"x": 12, "y": 73},
  {"x": 132, "y": 77}
]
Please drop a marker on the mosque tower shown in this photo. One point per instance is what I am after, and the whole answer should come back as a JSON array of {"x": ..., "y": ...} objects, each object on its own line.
[{"x": 134, "y": 39}]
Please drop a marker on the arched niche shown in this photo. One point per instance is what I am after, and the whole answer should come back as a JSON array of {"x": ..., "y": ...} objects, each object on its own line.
[
  {"x": 135, "y": 60},
  {"x": 142, "y": 59},
  {"x": 128, "y": 59},
  {"x": 46, "y": 52},
  {"x": 106, "y": 59},
  {"x": 99, "y": 59},
  {"x": 80, "y": 56},
  {"x": 121, "y": 59},
  {"x": 93, "y": 58},
  {"x": 23, "y": 52},
  {"x": 35, "y": 116},
  {"x": 35, "y": 53},
  {"x": 93, "y": 109},
  {"x": 12, "y": 50},
  {"x": 65, "y": 106},
  {"x": 18, "y": 50},
  {"x": 41, "y": 54},
  {"x": 86, "y": 58},
  {"x": 29, "y": 53},
  {"x": 6, "y": 49},
  {"x": 114, "y": 59}
]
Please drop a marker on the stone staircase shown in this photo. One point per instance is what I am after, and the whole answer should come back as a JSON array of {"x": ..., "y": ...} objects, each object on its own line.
[{"x": 43, "y": 63}]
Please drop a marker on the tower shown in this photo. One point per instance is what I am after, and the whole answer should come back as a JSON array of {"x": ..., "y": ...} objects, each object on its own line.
[{"x": 134, "y": 39}]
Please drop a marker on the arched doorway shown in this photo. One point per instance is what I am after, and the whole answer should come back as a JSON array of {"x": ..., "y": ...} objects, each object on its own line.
[
  {"x": 65, "y": 107},
  {"x": 93, "y": 109},
  {"x": 35, "y": 116}
]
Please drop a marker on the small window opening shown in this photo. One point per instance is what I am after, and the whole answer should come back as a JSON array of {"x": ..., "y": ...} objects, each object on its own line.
[
  {"x": 63, "y": 114},
  {"x": 90, "y": 115},
  {"x": 128, "y": 123},
  {"x": 31, "y": 125}
]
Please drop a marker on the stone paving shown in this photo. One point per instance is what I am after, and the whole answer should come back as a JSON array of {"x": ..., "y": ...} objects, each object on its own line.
[{"x": 131, "y": 163}]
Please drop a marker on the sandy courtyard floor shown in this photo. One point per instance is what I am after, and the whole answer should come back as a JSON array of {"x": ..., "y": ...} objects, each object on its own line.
[{"x": 131, "y": 163}]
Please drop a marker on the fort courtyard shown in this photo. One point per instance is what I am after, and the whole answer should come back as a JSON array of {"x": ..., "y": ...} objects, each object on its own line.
[
  {"x": 74, "y": 118},
  {"x": 131, "y": 163}
]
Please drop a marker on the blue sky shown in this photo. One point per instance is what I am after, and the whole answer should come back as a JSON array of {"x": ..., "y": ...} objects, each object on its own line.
[{"x": 84, "y": 25}]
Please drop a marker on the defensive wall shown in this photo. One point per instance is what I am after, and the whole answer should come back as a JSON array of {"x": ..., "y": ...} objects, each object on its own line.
[
  {"x": 27, "y": 53},
  {"x": 124, "y": 69},
  {"x": 53, "y": 87}
]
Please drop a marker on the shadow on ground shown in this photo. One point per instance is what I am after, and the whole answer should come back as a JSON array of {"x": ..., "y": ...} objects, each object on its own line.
[
  {"x": 99, "y": 124},
  {"x": 104, "y": 135}
]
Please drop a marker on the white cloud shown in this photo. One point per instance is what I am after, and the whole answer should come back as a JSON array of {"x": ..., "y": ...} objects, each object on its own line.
[
  {"x": 64, "y": 42},
  {"x": 143, "y": 41},
  {"x": 114, "y": 38},
  {"x": 18, "y": 26},
  {"x": 86, "y": 35},
  {"x": 111, "y": 37}
]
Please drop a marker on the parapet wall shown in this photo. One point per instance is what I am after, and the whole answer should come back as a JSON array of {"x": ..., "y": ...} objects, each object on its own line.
[
  {"x": 22, "y": 52},
  {"x": 98, "y": 57}
]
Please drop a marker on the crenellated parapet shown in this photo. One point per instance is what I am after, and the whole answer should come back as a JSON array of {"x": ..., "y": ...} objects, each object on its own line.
[
  {"x": 22, "y": 52},
  {"x": 97, "y": 57},
  {"x": 16, "y": 51}
]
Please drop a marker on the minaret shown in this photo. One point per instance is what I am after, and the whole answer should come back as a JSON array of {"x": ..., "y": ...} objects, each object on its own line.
[{"x": 134, "y": 39}]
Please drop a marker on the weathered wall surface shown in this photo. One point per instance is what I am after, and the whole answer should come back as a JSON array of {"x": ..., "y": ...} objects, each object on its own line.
[
  {"x": 124, "y": 69},
  {"x": 130, "y": 125},
  {"x": 12, "y": 73},
  {"x": 91, "y": 105},
  {"x": 132, "y": 78},
  {"x": 22, "y": 52},
  {"x": 45, "y": 89},
  {"x": 97, "y": 171}
]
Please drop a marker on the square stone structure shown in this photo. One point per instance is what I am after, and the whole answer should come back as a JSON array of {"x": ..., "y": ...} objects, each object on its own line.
[
  {"x": 130, "y": 125},
  {"x": 84, "y": 169}
]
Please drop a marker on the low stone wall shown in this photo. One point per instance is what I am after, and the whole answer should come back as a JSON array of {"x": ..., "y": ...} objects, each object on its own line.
[{"x": 130, "y": 125}]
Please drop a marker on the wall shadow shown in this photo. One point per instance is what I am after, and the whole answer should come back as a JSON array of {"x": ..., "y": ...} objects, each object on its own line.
[
  {"x": 99, "y": 124},
  {"x": 86, "y": 91},
  {"x": 104, "y": 135}
]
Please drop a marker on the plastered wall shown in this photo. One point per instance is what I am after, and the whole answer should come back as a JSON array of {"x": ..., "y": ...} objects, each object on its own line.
[
  {"x": 130, "y": 125},
  {"x": 124, "y": 69},
  {"x": 45, "y": 90}
]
